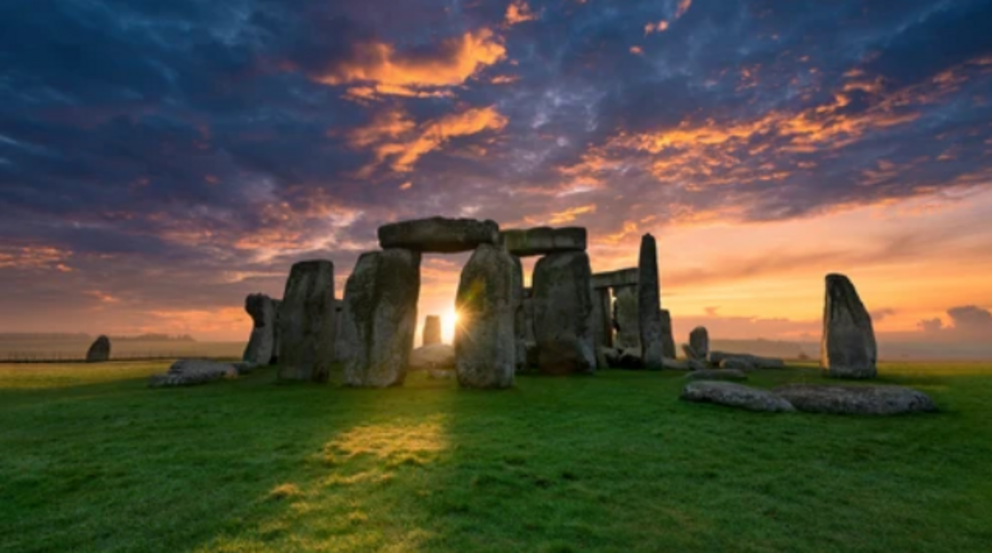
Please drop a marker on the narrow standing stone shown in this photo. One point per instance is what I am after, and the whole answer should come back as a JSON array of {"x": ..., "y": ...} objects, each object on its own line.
[
  {"x": 432, "y": 330},
  {"x": 649, "y": 305},
  {"x": 699, "y": 343},
  {"x": 485, "y": 342},
  {"x": 519, "y": 317},
  {"x": 628, "y": 335},
  {"x": 307, "y": 322},
  {"x": 99, "y": 351},
  {"x": 262, "y": 341}
]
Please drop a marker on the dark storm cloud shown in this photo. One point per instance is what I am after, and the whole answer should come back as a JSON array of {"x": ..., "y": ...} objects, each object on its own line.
[{"x": 223, "y": 140}]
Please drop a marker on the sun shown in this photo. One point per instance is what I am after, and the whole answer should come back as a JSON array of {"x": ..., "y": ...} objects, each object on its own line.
[{"x": 449, "y": 321}]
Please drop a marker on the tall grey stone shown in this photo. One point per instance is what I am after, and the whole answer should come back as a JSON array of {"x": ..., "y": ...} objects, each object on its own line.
[
  {"x": 276, "y": 306},
  {"x": 519, "y": 317},
  {"x": 699, "y": 343},
  {"x": 307, "y": 322},
  {"x": 438, "y": 234},
  {"x": 628, "y": 331},
  {"x": 847, "y": 347},
  {"x": 380, "y": 311},
  {"x": 563, "y": 314},
  {"x": 432, "y": 330},
  {"x": 649, "y": 315},
  {"x": 99, "y": 351},
  {"x": 485, "y": 340},
  {"x": 261, "y": 348},
  {"x": 602, "y": 325}
]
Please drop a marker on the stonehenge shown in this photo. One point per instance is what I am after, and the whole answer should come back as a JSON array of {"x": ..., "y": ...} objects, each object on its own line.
[
  {"x": 261, "y": 348},
  {"x": 847, "y": 347},
  {"x": 649, "y": 305},
  {"x": 439, "y": 235},
  {"x": 99, "y": 351},
  {"x": 380, "y": 315},
  {"x": 307, "y": 322}
]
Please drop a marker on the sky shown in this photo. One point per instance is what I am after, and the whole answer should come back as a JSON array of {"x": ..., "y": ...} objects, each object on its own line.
[{"x": 159, "y": 160}]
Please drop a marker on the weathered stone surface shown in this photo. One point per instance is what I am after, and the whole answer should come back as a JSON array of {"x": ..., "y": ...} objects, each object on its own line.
[
  {"x": 519, "y": 317},
  {"x": 529, "y": 315},
  {"x": 485, "y": 343},
  {"x": 307, "y": 322},
  {"x": 670, "y": 364},
  {"x": 630, "y": 358},
  {"x": 667, "y": 337},
  {"x": 532, "y": 354},
  {"x": 847, "y": 347},
  {"x": 717, "y": 374},
  {"x": 439, "y": 234},
  {"x": 543, "y": 240},
  {"x": 736, "y": 364},
  {"x": 276, "y": 333},
  {"x": 649, "y": 317},
  {"x": 99, "y": 351},
  {"x": 610, "y": 356},
  {"x": 189, "y": 372},
  {"x": 628, "y": 331},
  {"x": 602, "y": 320},
  {"x": 380, "y": 311},
  {"x": 734, "y": 395},
  {"x": 699, "y": 343},
  {"x": 856, "y": 400},
  {"x": 563, "y": 314},
  {"x": 343, "y": 349},
  {"x": 616, "y": 279},
  {"x": 755, "y": 361},
  {"x": 434, "y": 356},
  {"x": 261, "y": 348},
  {"x": 432, "y": 330}
]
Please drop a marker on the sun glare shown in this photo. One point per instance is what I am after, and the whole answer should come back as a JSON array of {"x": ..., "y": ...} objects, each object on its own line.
[{"x": 448, "y": 323}]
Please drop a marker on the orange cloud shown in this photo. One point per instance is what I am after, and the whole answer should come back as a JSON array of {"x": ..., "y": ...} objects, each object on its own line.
[
  {"x": 519, "y": 12},
  {"x": 683, "y": 7},
  {"x": 394, "y": 137},
  {"x": 380, "y": 69},
  {"x": 570, "y": 214},
  {"x": 659, "y": 27},
  {"x": 35, "y": 258}
]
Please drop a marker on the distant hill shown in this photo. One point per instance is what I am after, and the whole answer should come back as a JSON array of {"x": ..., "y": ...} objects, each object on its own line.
[{"x": 83, "y": 337}]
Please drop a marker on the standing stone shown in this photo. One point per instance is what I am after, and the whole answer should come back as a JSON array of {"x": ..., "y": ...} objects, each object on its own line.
[
  {"x": 519, "y": 318},
  {"x": 307, "y": 322},
  {"x": 529, "y": 315},
  {"x": 262, "y": 341},
  {"x": 432, "y": 330},
  {"x": 485, "y": 341},
  {"x": 563, "y": 314},
  {"x": 601, "y": 316},
  {"x": 380, "y": 311},
  {"x": 99, "y": 351},
  {"x": 667, "y": 336},
  {"x": 628, "y": 335},
  {"x": 847, "y": 348},
  {"x": 649, "y": 306},
  {"x": 276, "y": 306},
  {"x": 699, "y": 343}
]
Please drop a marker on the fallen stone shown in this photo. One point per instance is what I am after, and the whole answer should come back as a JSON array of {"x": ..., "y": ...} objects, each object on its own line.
[
  {"x": 190, "y": 372},
  {"x": 307, "y": 322},
  {"x": 856, "y": 400},
  {"x": 699, "y": 343},
  {"x": 432, "y": 330},
  {"x": 380, "y": 309},
  {"x": 734, "y": 395},
  {"x": 439, "y": 234},
  {"x": 717, "y": 357},
  {"x": 649, "y": 318},
  {"x": 670, "y": 364},
  {"x": 434, "y": 356},
  {"x": 847, "y": 348},
  {"x": 615, "y": 279},
  {"x": 736, "y": 364},
  {"x": 485, "y": 342},
  {"x": 543, "y": 240},
  {"x": 630, "y": 358},
  {"x": 717, "y": 374},
  {"x": 261, "y": 348},
  {"x": 99, "y": 351},
  {"x": 611, "y": 356},
  {"x": 563, "y": 314}
]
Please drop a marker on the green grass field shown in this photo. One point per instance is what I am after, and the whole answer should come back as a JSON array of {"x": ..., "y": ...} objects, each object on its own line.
[{"x": 92, "y": 460}]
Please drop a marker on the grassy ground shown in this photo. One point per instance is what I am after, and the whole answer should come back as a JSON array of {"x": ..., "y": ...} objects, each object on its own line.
[
  {"x": 90, "y": 459},
  {"x": 68, "y": 350}
]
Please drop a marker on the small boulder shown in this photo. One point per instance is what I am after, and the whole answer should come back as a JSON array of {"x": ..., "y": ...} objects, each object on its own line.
[
  {"x": 717, "y": 374},
  {"x": 439, "y": 234},
  {"x": 856, "y": 400},
  {"x": 699, "y": 343},
  {"x": 99, "y": 351},
  {"x": 190, "y": 372},
  {"x": 734, "y": 395},
  {"x": 436, "y": 356}
]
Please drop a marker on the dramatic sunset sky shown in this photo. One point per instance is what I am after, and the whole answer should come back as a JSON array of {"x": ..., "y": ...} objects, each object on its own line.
[{"x": 161, "y": 159}]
